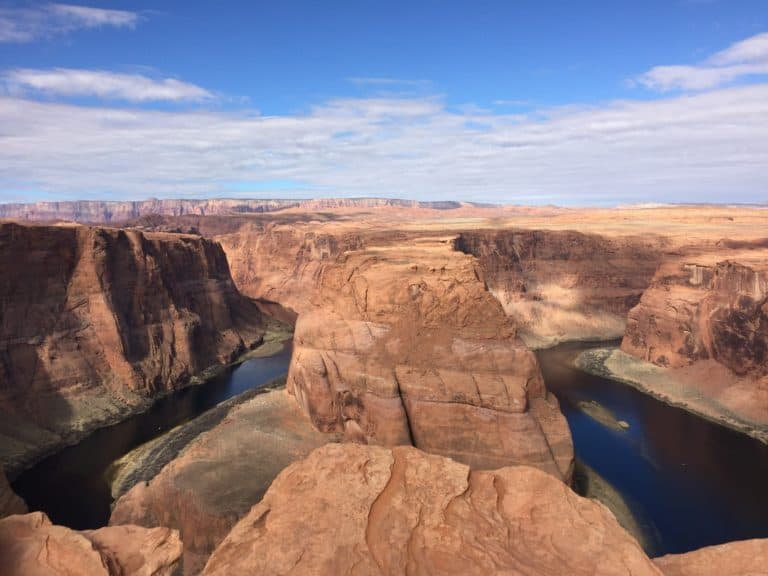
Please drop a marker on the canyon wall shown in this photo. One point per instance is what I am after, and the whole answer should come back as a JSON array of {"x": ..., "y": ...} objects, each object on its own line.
[
  {"x": 564, "y": 285},
  {"x": 399, "y": 342},
  {"x": 95, "y": 322},
  {"x": 705, "y": 305}
]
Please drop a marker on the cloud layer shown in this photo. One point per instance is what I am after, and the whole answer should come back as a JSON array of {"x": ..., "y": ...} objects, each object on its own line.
[
  {"x": 706, "y": 147},
  {"x": 102, "y": 84},
  {"x": 742, "y": 59},
  {"x": 31, "y": 23}
]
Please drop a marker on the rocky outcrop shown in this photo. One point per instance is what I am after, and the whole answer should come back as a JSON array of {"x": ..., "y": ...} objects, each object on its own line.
[
  {"x": 564, "y": 285},
  {"x": 95, "y": 322},
  {"x": 351, "y": 509},
  {"x": 701, "y": 307},
  {"x": 10, "y": 503},
  {"x": 221, "y": 474},
  {"x": 744, "y": 558},
  {"x": 404, "y": 345},
  {"x": 30, "y": 544}
]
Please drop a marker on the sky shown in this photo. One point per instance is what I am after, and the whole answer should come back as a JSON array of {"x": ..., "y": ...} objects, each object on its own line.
[{"x": 520, "y": 102}]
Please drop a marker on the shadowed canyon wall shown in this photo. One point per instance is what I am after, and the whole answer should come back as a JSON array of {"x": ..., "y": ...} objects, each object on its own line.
[
  {"x": 564, "y": 285},
  {"x": 97, "y": 321}
]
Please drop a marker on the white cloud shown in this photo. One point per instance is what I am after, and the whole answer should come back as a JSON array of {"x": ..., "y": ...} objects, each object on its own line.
[
  {"x": 30, "y": 23},
  {"x": 706, "y": 147},
  {"x": 102, "y": 84},
  {"x": 742, "y": 59}
]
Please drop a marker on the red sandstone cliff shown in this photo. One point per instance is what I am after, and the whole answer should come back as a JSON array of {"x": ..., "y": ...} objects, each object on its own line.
[
  {"x": 97, "y": 321},
  {"x": 711, "y": 305}
]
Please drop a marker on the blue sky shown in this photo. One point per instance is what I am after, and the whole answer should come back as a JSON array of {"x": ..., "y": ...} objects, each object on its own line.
[{"x": 604, "y": 102}]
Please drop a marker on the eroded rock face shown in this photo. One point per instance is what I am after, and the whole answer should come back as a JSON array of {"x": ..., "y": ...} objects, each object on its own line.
[
  {"x": 221, "y": 475},
  {"x": 352, "y": 509},
  {"x": 561, "y": 285},
  {"x": 31, "y": 545},
  {"x": 744, "y": 558},
  {"x": 403, "y": 345},
  {"x": 10, "y": 503},
  {"x": 701, "y": 307},
  {"x": 97, "y": 321}
]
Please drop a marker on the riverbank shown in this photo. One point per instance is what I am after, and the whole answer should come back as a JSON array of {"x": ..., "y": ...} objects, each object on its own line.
[
  {"x": 707, "y": 390},
  {"x": 74, "y": 417}
]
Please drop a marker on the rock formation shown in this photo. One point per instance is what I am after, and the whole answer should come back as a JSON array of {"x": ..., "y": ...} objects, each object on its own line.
[
  {"x": 221, "y": 474},
  {"x": 351, "y": 509},
  {"x": 564, "y": 285},
  {"x": 31, "y": 545},
  {"x": 10, "y": 503},
  {"x": 96, "y": 321},
  {"x": 403, "y": 344},
  {"x": 744, "y": 558},
  {"x": 704, "y": 306}
]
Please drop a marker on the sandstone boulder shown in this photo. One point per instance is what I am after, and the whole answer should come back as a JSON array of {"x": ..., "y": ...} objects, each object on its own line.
[
  {"x": 30, "y": 545},
  {"x": 352, "y": 509}
]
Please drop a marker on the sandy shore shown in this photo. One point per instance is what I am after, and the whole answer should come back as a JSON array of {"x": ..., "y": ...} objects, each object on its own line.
[{"x": 724, "y": 399}]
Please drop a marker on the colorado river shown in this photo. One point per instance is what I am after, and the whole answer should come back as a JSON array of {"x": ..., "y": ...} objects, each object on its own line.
[
  {"x": 71, "y": 486},
  {"x": 689, "y": 482}
]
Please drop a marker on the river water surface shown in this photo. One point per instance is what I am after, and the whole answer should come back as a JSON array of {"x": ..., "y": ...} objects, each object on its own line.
[
  {"x": 689, "y": 482},
  {"x": 72, "y": 487}
]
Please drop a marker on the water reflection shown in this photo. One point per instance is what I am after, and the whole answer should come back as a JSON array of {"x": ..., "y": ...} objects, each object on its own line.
[{"x": 689, "y": 482}]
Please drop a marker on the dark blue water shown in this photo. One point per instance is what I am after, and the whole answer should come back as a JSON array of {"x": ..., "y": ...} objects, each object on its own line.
[
  {"x": 71, "y": 486},
  {"x": 689, "y": 482}
]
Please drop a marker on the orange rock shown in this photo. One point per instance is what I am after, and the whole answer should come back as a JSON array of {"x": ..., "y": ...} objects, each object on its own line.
[
  {"x": 391, "y": 353},
  {"x": 31, "y": 545},
  {"x": 744, "y": 558},
  {"x": 351, "y": 509}
]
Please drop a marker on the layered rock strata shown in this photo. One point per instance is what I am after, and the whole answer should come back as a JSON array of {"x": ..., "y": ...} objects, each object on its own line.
[
  {"x": 402, "y": 344},
  {"x": 564, "y": 285},
  {"x": 351, "y": 509},
  {"x": 701, "y": 307},
  {"x": 30, "y": 544},
  {"x": 95, "y": 322}
]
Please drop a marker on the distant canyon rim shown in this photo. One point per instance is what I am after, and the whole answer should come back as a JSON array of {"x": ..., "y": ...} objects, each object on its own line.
[{"x": 416, "y": 432}]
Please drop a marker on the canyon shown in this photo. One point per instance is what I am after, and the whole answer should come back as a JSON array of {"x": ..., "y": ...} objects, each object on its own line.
[{"x": 414, "y": 326}]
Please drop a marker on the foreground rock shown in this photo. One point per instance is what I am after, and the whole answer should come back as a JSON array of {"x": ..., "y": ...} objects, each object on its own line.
[
  {"x": 99, "y": 321},
  {"x": 10, "y": 503},
  {"x": 31, "y": 545},
  {"x": 221, "y": 474},
  {"x": 745, "y": 558},
  {"x": 351, "y": 509}
]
